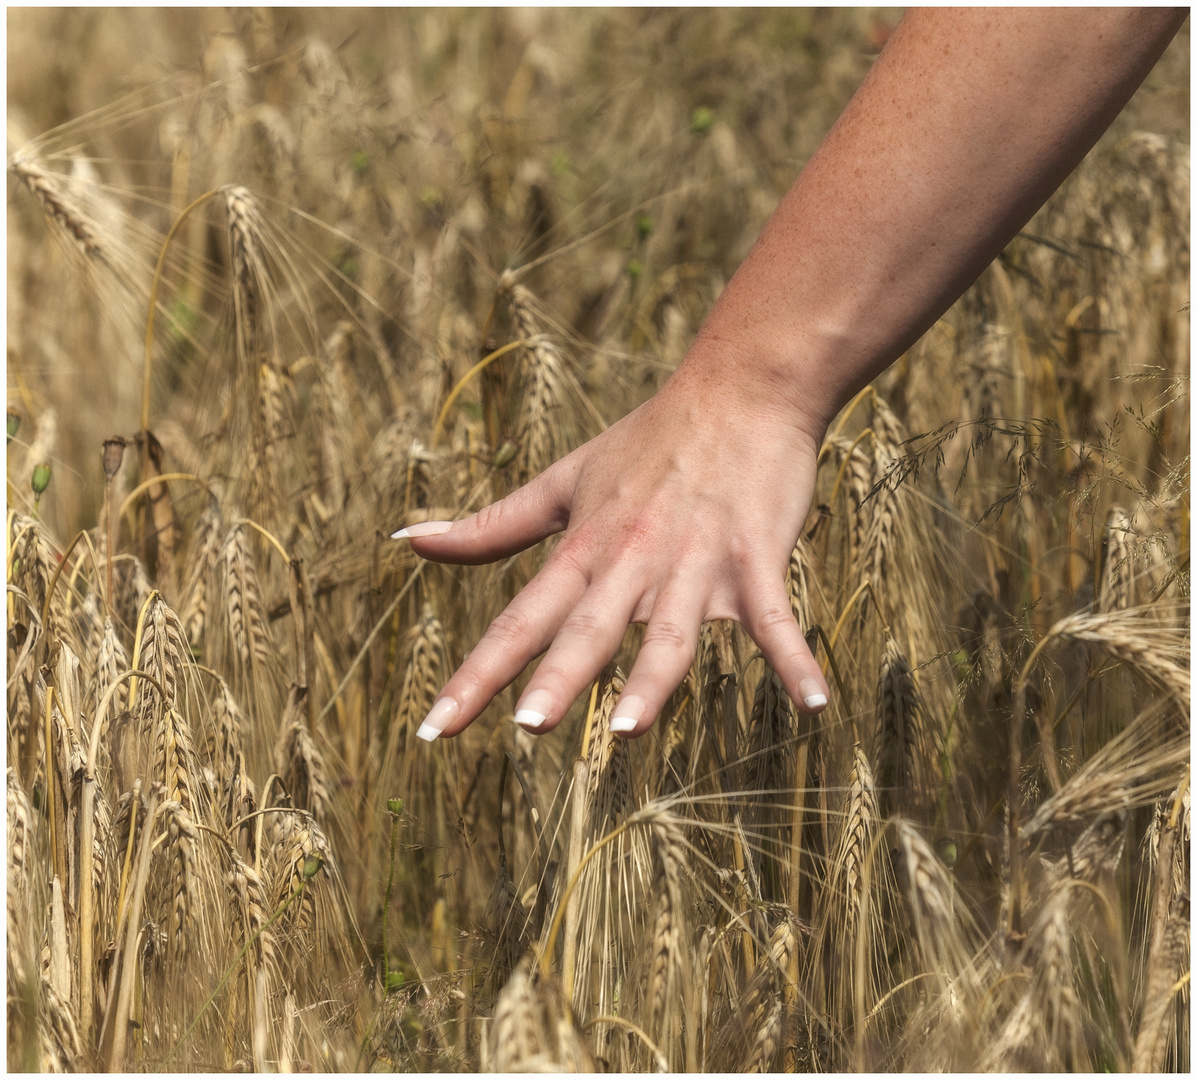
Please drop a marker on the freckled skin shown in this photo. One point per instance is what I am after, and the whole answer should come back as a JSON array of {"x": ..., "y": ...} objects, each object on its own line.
[
  {"x": 993, "y": 122},
  {"x": 689, "y": 507}
]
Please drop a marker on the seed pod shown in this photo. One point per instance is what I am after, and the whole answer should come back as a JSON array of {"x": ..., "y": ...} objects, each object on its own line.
[
  {"x": 312, "y": 865},
  {"x": 14, "y": 424},
  {"x": 505, "y": 455},
  {"x": 41, "y": 479},
  {"x": 112, "y": 456}
]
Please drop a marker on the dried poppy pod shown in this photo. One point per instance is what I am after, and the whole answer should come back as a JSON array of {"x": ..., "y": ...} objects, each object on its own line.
[{"x": 112, "y": 455}]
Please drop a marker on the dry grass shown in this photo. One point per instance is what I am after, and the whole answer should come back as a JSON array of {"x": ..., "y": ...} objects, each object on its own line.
[{"x": 978, "y": 854}]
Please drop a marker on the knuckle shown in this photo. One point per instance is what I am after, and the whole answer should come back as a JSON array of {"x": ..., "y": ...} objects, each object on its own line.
[
  {"x": 583, "y": 624},
  {"x": 641, "y": 534},
  {"x": 555, "y": 678},
  {"x": 470, "y": 690},
  {"x": 491, "y": 517},
  {"x": 510, "y": 629},
  {"x": 572, "y": 556},
  {"x": 742, "y": 553},
  {"x": 666, "y": 634},
  {"x": 774, "y": 617}
]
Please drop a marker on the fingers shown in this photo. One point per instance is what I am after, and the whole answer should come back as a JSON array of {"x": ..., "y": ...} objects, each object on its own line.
[
  {"x": 668, "y": 649},
  {"x": 521, "y": 632},
  {"x": 770, "y": 621},
  {"x": 590, "y": 624},
  {"x": 525, "y": 517},
  {"x": 587, "y": 640}
]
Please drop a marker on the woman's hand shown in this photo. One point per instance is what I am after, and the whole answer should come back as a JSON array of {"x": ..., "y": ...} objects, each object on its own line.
[{"x": 686, "y": 510}]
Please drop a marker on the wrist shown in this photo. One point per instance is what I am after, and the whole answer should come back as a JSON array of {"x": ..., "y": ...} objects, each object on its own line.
[
  {"x": 756, "y": 392},
  {"x": 799, "y": 376}
]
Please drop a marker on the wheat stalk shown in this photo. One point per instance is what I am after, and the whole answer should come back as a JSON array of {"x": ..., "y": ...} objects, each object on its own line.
[
  {"x": 860, "y": 821},
  {"x": 665, "y": 965},
  {"x": 163, "y": 647},
  {"x": 203, "y": 562},
  {"x": 540, "y": 419},
  {"x": 1116, "y": 634},
  {"x": 1117, "y": 571},
  {"x": 898, "y": 734},
  {"x": 517, "y": 1034},
  {"x": 250, "y": 279},
  {"x": 243, "y": 602},
  {"x": 299, "y": 761},
  {"x": 51, "y": 195}
]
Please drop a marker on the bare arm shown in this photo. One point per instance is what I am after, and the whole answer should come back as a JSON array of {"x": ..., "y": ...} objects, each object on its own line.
[
  {"x": 966, "y": 124},
  {"x": 688, "y": 508}
]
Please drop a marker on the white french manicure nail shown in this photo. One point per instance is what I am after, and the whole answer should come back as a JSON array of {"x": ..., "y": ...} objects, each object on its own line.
[
  {"x": 423, "y": 528},
  {"x": 439, "y": 717},
  {"x": 812, "y": 696},
  {"x": 534, "y": 709},
  {"x": 627, "y": 714}
]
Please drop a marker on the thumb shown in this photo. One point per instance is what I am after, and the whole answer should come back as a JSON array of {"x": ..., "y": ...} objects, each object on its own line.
[{"x": 529, "y": 514}]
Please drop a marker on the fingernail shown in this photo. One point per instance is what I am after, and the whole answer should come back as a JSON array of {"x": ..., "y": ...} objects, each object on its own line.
[
  {"x": 627, "y": 714},
  {"x": 812, "y": 695},
  {"x": 423, "y": 528},
  {"x": 439, "y": 717},
  {"x": 534, "y": 709}
]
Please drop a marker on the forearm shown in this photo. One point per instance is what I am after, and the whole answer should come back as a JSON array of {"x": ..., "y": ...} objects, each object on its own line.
[
  {"x": 687, "y": 509},
  {"x": 968, "y": 121}
]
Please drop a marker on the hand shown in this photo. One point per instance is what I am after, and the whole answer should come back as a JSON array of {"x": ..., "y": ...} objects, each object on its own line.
[{"x": 684, "y": 511}]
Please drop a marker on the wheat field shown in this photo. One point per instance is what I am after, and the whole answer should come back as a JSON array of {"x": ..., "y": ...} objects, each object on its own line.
[{"x": 281, "y": 281}]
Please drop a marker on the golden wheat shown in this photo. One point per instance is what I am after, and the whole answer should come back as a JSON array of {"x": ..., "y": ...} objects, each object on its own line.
[{"x": 416, "y": 269}]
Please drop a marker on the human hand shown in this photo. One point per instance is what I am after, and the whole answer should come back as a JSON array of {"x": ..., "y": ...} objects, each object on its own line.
[{"x": 684, "y": 511}]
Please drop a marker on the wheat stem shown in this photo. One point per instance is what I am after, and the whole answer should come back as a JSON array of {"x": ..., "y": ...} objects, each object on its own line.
[
  {"x": 149, "y": 323},
  {"x": 86, "y": 853},
  {"x": 835, "y": 671},
  {"x": 121, "y": 994},
  {"x": 268, "y": 535},
  {"x": 50, "y": 592},
  {"x": 146, "y": 484},
  {"x": 847, "y": 411},
  {"x": 394, "y": 604},
  {"x": 866, "y": 584},
  {"x": 50, "y": 777},
  {"x": 555, "y": 927},
  {"x": 576, "y": 827},
  {"x": 386, "y": 905},
  {"x": 236, "y": 961},
  {"x": 636, "y": 1029},
  {"x": 464, "y": 381},
  {"x": 859, "y": 960}
]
